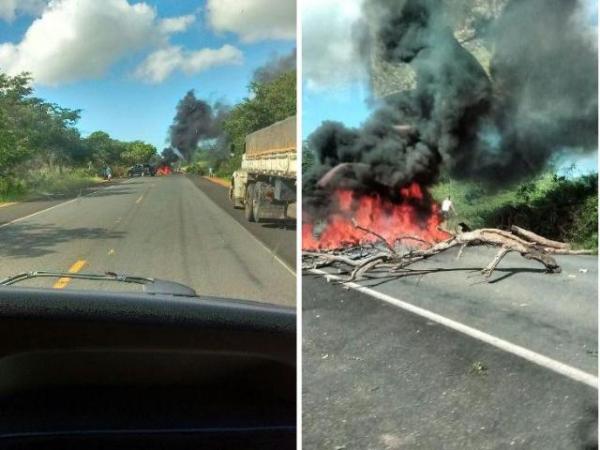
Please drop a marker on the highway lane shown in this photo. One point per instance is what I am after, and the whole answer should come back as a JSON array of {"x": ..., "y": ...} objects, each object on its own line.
[
  {"x": 163, "y": 227},
  {"x": 379, "y": 376},
  {"x": 279, "y": 237},
  {"x": 553, "y": 314}
]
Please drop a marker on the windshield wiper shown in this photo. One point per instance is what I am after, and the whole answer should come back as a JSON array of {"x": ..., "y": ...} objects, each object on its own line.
[{"x": 151, "y": 285}]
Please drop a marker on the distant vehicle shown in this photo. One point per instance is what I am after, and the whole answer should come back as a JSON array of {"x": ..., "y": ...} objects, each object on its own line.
[
  {"x": 150, "y": 169},
  {"x": 136, "y": 171},
  {"x": 140, "y": 170},
  {"x": 265, "y": 184}
]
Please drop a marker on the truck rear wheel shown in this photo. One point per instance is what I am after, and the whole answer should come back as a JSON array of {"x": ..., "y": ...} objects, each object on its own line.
[
  {"x": 256, "y": 205},
  {"x": 236, "y": 201},
  {"x": 231, "y": 191},
  {"x": 249, "y": 207}
]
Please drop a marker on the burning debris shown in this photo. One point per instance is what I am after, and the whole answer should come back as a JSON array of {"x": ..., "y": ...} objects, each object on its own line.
[
  {"x": 414, "y": 215},
  {"x": 376, "y": 257},
  {"x": 537, "y": 98}
]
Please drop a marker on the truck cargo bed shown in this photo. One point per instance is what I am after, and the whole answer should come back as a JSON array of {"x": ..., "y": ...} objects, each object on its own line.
[{"x": 274, "y": 139}]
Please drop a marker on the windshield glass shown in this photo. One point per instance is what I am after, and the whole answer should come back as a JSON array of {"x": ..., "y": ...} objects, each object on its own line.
[{"x": 123, "y": 146}]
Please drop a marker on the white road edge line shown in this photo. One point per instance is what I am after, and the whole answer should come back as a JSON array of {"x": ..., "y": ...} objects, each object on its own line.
[
  {"x": 536, "y": 358},
  {"x": 271, "y": 252},
  {"x": 262, "y": 244},
  {"x": 19, "y": 219}
]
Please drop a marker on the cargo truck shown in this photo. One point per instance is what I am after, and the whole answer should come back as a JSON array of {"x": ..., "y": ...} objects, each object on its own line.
[{"x": 265, "y": 184}]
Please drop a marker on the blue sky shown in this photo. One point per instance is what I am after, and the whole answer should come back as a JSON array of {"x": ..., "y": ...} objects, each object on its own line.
[
  {"x": 102, "y": 74},
  {"x": 335, "y": 84},
  {"x": 348, "y": 105}
]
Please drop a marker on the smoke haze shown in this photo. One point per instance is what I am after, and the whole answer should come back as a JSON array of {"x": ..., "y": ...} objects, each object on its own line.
[
  {"x": 276, "y": 66},
  {"x": 195, "y": 120},
  {"x": 538, "y": 100}
]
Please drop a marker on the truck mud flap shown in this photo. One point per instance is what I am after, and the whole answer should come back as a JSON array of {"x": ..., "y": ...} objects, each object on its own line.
[{"x": 270, "y": 211}]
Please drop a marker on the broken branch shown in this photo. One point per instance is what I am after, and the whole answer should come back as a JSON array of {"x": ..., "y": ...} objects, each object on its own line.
[
  {"x": 378, "y": 263},
  {"x": 536, "y": 238}
]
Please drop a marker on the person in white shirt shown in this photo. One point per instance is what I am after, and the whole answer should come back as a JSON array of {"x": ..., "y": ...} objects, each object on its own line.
[{"x": 447, "y": 208}]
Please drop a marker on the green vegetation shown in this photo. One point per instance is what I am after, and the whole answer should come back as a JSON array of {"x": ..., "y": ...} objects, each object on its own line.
[
  {"x": 308, "y": 157},
  {"x": 198, "y": 168},
  {"x": 41, "y": 184},
  {"x": 138, "y": 152},
  {"x": 557, "y": 207},
  {"x": 267, "y": 103},
  {"x": 42, "y": 151}
]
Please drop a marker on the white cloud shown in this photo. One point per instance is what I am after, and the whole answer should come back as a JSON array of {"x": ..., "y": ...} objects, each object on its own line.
[
  {"x": 330, "y": 56},
  {"x": 160, "y": 64},
  {"x": 254, "y": 20},
  {"x": 177, "y": 24},
  {"x": 82, "y": 39},
  {"x": 75, "y": 39},
  {"x": 10, "y": 8}
]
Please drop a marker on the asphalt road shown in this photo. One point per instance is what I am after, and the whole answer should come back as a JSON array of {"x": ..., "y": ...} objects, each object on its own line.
[
  {"x": 279, "y": 237},
  {"x": 163, "y": 227},
  {"x": 379, "y": 377}
]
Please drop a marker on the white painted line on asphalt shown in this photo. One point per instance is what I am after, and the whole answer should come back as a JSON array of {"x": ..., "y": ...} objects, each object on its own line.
[
  {"x": 19, "y": 219},
  {"x": 534, "y": 357},
  {"x": 277, "y": 258},
  {"x": 36, "y": 213}
]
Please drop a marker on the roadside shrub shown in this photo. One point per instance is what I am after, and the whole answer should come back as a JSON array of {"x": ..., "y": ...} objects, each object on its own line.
[
  {"x": 584, "y": 231},
  {"x": 35, "y": 183},
  {"x": 197, "y": 169},
  {"x": 11, "y": 188},
  {"x": 557, "y": 207},
  {"x": 226, "y": 168},
  {"x": 119, "y": 171}
]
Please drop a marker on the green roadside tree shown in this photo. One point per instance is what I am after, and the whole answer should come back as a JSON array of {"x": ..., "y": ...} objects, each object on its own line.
[
  {"x": 308, "y": 157},
  {"x": 14, "y": 145},
  {"x": 267, "y": 103},
  {"x": 103, "y": 150},
  {"x": 138, "y": 152}
]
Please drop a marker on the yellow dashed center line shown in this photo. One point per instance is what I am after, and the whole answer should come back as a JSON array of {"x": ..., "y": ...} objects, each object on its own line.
[
  {"x": 140, "y": 199},
  {"x": 61, "y": 283}
]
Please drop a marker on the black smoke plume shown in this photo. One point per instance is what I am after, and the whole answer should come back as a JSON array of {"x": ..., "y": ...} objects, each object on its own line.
[
  {"x": 169, "y": 156},
  {"x": 538, "y": 100},
  {"x": 276, "y": 66},
  {"x": 196, "y": 120}
]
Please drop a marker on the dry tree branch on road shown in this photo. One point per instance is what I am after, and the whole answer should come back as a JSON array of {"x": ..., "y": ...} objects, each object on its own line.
[{"x": 374, "y": 260}]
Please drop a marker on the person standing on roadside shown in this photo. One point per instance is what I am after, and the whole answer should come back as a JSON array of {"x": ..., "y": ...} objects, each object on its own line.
[{"x": 447, "y": 210}]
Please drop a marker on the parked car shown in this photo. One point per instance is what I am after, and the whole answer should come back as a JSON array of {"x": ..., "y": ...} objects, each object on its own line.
[
  {"x": 150, "y": 169},
  {"x": 140, "y": 170}
]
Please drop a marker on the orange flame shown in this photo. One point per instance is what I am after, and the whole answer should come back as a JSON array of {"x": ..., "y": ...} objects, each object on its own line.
[{"x": 413, "y": 216}]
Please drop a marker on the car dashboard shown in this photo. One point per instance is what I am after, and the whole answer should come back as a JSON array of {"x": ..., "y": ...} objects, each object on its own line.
[{"x": 121, "y": 370}]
